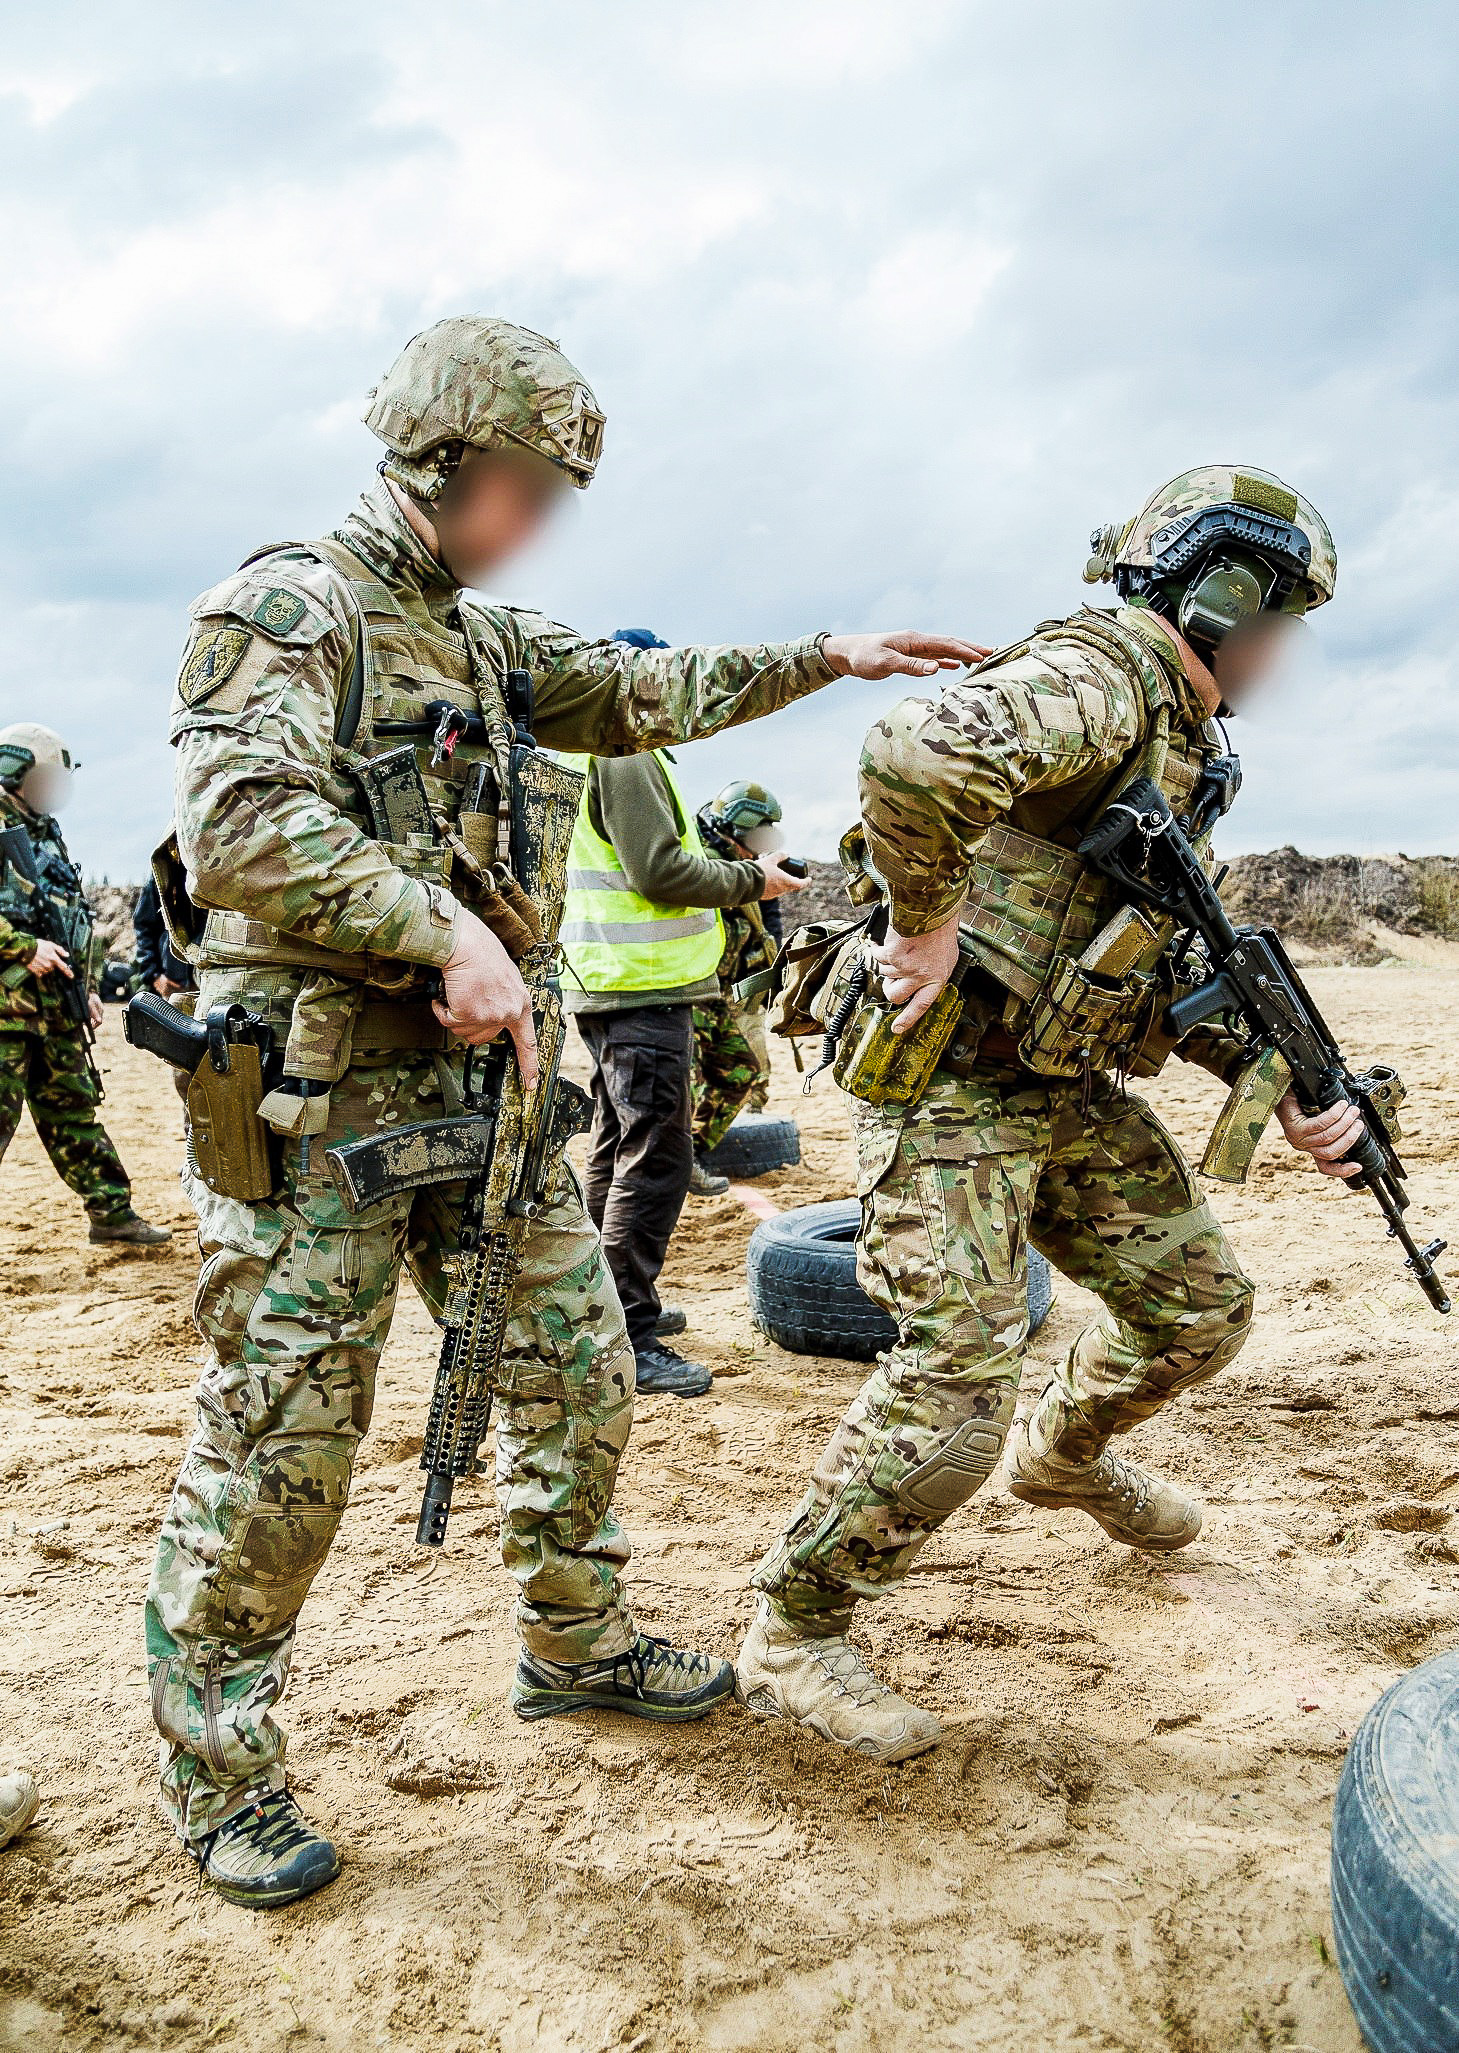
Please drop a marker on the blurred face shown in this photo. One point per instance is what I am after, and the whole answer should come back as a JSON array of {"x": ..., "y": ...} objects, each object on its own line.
[
  {"x": 497, "y": 502},
  {"x": 46, "y": 788},
  {"x": 1253, "y": 654}
]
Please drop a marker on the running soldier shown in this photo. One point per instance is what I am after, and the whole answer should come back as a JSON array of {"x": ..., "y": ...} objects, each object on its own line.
[
  {"x": 302, "y": 667},
  {"x": 974, "y": 806}
]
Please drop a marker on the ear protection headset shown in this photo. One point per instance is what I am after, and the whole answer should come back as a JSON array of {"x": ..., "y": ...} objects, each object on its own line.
[{"x": 1221, "y": 566}]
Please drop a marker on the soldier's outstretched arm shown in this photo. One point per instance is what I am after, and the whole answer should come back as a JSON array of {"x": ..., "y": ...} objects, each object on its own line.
[
  {"x": 608, "y": 699},
  {"x": 253, "y": 721}
]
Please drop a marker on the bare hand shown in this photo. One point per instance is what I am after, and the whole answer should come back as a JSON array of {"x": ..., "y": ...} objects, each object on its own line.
[
  {"x": 485, "y": 996},
  {"x": 164, "y": 986},
  {"x": 49, "y": 956},
  {"x": 777, "y": 881},
  {"x": 915, "y": 967},
  {"x": 1325, "y": 1136},
  {"x": 93, "y": 1006},
  {"x": 908, "y": 654}
]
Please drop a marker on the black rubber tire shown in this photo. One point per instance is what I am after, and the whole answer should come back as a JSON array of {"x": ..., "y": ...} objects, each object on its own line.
[
  {"x": 753, "y": 1145},
  {"x": 1395, "y": 1865},
  {"x": 801, "y": 1271}
]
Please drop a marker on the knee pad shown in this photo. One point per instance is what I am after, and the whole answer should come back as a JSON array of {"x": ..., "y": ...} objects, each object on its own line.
[{"x": 964, "y": 1454}]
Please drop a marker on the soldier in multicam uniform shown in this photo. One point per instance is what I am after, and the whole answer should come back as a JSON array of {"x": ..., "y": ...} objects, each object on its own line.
[
  {"x": 310, "y": 660},
  {"x": 973, "y": 806},
  {"x": 44, "y": 1059},
  {"x": 731, "y": 1055}
]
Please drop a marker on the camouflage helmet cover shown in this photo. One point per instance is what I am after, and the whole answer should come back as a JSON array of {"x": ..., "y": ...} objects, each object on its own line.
[
  {"x": 743, "y": 806},
  {"x": 1263, "y": 509},
  {"x": 481, "y": 381},
  {"x": 27, "y": 745}
]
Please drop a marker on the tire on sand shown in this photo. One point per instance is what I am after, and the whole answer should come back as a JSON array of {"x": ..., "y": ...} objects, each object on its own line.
[
  {"x": 753, "y": 1145},
  {"x": 801, "y": 1270},
  {"x": 1395, "y": 1865}
]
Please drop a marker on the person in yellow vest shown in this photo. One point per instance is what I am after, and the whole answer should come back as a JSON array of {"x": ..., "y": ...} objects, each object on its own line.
[{"x": 643, "y": 937}]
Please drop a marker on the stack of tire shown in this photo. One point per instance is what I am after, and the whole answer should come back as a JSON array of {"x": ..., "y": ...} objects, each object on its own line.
[
  {"x": 753, "y": 1145},
  {"x": 801, "y": 1270},
  {"x": 1395, "y": 1865}
]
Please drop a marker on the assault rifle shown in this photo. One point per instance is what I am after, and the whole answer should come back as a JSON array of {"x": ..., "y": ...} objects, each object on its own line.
[
  {"x": 1251, "y": 983},
  {"x": 505, "y": 1144},
  {"x": 17, "y": 853}
]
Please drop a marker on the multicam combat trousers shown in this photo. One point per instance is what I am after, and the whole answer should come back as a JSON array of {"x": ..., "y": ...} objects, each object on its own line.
[
  {"x": 49, "y": 1072},
  {"x": 731, "y": 1068},
  {"x": 295, "y": 1300},
  {"x": 953, "y": 1192}
]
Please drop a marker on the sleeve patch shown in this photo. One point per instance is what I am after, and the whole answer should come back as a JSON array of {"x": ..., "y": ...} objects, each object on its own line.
[
  {"x": 279, "y": 612},
  {"x": 214, "y": 657}
]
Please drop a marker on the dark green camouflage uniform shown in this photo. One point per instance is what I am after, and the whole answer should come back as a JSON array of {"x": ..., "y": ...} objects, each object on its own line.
[
  {"x": 958, "y": 1187},
  {"x": 44, "y": 1062},
  {"x": 731, "y": 1059}
]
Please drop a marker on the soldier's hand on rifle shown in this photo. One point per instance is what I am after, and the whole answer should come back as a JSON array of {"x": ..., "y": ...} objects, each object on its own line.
[
  {"x": 50, "y": 956},
  {"x": 915, "y": 967},
  {"x": 93, "y": 1006},
  {"x": 907, "y": 654},
  {"x": 777, "y": 881},
  {"x": 485, "y": 995},
  {"x": 1325, "y": 1136}
]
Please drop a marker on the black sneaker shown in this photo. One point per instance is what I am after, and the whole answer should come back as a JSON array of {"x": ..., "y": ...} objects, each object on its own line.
[
  {"x": 651, "y": 1680},
  {"x": 267, "y": 1855},
  {"x": 671, "y": 1320},
  {"x": 660, "y": 1369}
]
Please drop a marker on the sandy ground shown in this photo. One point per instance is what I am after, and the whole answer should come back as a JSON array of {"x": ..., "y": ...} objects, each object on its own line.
[{"x": 1121, "y": 1845}]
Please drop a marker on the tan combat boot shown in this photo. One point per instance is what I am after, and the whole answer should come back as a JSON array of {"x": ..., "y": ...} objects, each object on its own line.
[
  {"x": 826, "y": 1685},
  {"x": 1140, "y": 1510}
]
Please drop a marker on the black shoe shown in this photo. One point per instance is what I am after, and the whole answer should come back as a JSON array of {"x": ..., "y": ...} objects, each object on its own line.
[
  {"x": 651, "y": 1680},
  {"x": 660, "y": 1369},
  {"x": 671, "y": 1320},
  {"x": 267, "y": 1855}
]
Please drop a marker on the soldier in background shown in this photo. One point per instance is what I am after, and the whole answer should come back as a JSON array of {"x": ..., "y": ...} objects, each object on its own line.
[
  {"x": 45, "y": 1061},
  {"x": 377, "y": 978},
  {"x": 741, "y": 823},
  {"x": 974, "y": 805}
]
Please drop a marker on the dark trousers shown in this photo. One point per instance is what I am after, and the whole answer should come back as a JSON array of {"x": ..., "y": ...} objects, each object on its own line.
[{"x": 640, "y": 1151}]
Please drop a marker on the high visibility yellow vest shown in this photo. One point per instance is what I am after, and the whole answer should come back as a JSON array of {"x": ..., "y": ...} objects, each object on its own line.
[{"x": 614, "y": 939}]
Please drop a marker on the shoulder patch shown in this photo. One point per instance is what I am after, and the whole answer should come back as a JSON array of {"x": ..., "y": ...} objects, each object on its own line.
[
  {"x": 278, "y": 612},
  {"x": 214, "y": 657}
]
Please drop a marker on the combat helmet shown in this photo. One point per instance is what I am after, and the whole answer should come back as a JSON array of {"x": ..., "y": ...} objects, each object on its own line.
[
  {"x": 1216, "y": 546},
  {"x": 742, "y": 807},
  {"x": 28, "y": 746},
  {"x": 472, "y": 381}
]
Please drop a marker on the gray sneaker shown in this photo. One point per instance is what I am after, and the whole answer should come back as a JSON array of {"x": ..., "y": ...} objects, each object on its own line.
[
  {"x": 651, "y": 1680},
  {"x": 703, "y": 1183},
  {"x": 130, "y": 1228},
  {"x": 19, "y": 1802},
  {"x": 266, "y": 1855},
  {"x": 671, "y": 1320}
]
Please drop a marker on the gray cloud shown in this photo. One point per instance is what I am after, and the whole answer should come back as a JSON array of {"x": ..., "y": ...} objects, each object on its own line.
[{"x": 888, "y": 308}]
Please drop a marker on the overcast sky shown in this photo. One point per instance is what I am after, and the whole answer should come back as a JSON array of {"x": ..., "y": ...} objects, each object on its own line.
[{"x": 887, "y": 305}]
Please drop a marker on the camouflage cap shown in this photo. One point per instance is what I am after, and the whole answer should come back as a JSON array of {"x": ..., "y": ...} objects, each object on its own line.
[
  {"x": 479, "y": 381},
  {"x": 27, "y": 746},
  {"x": 1264, "y": 513}
]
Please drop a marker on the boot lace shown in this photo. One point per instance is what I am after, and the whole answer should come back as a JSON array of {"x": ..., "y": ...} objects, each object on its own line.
[
  {"x": 840, "y": 1663},
  {"x": 660, "y": 1659},
  {"x": 273, "y": 1825}
]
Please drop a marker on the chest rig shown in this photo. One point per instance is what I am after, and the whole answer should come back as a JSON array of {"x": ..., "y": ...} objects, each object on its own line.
[
  {"x": 21, "y": 993},
  {"x": 1054, "y": 957},
  {"x": 421, "y": 762}
]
